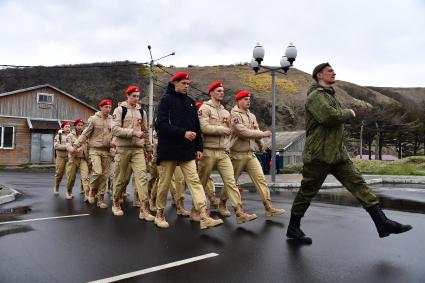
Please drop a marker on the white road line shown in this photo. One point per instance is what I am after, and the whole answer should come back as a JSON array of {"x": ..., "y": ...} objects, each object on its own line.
[
  {"x": 45, "y": 218},
  {"x": 153, "y": 269}
]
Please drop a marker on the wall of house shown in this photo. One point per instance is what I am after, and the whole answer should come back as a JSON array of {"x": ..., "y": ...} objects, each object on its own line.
[
  {"x": 21, "y": 152},
  {"x": 25, "y": 105}
]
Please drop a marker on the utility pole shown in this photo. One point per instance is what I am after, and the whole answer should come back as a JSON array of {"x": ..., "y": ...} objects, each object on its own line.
[{"x": 151, "y": 78}]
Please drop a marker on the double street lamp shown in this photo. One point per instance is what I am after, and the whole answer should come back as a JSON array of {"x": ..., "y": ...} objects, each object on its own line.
[{"x": 285, "y": 63}]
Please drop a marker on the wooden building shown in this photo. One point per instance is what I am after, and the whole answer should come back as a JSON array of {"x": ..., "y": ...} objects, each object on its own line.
[
  {"x": 290, "y": 145},
  {"x": 29, "y": 119}
]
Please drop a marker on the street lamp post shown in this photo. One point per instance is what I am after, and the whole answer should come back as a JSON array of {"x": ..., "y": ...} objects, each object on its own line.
[
  {"x": 151, "y": 78},
  {"x": 285, "y": 63}
]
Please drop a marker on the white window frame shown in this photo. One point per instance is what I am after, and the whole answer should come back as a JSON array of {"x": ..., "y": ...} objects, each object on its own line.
[
  {"x": 45, "y": 94},
  {"x": 2, "y": 137}
]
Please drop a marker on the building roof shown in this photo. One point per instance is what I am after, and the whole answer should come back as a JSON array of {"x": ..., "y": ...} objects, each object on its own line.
[
  {"x": 47, "y": 85},
  {"x": 284, "y": 139}
]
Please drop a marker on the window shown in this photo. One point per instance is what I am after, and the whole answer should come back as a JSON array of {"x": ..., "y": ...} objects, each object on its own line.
[
  {"x": 44, "y": 98},
  {"x": 7, "y": 137}
]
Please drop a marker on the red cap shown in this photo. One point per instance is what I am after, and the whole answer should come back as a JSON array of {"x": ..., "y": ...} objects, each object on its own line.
[
  {"x": 132, "y": 89},
  {"x": 198, "y": 104},
  {"x": 105, "y": 102},
  {"x": 64, "y": 123},
  {"x": 242, "y": 94},
  {"x": 78, "y": 120},
  {"x": 214, "y": 85},
  {"x": 180, "y": 76}
]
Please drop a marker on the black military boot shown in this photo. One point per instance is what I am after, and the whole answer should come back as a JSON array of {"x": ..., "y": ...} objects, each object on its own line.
[
  {"x": 384, "y": 225},
  {"x": 294, "y": 232}
]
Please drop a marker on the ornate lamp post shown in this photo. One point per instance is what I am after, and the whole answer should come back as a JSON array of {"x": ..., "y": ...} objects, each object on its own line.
[{"x": 285, "y": 63}]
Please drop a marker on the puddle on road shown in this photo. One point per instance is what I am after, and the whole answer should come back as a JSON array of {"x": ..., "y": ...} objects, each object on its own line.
[{"x": 9, "y": 214}]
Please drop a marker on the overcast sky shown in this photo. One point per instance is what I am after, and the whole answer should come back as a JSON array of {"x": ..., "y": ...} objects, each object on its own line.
[{"x": 380, "y": 43}]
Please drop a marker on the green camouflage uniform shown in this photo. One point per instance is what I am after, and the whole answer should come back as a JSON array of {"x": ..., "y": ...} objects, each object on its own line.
[{"x": 325, "y": 151}]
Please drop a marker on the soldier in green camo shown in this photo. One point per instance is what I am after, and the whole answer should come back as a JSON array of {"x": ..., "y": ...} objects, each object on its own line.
[{"x": 325, "y": 153}]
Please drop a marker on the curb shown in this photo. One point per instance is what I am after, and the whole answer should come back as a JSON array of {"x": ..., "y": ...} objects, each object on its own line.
[
  {"x": 7, "y": 194},
  {"x": 294, "y": 186}
]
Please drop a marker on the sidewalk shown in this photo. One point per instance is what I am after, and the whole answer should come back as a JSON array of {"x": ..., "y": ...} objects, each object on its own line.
[{"x": 293, "y": 181}]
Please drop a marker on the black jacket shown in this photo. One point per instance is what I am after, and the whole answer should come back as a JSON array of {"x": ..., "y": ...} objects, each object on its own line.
[{"x": 176, "y": 114}]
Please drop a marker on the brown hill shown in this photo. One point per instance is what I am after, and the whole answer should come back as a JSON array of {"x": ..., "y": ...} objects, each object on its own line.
[{"x": 93, "y": 82}]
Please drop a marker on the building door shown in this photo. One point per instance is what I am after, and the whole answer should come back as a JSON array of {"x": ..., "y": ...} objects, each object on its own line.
[{"x": 42, "y": 148}]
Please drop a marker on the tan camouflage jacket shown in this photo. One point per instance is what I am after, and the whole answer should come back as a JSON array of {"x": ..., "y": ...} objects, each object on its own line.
[
  {"x": 70, "y": 140},
  {"x": 245, "y": 131},
  {"x": 98, "y": 132},
  {"x": 132, "y": 122},
  {"x": 214, "y": 119},
  {"x": 60, "y": 145}
]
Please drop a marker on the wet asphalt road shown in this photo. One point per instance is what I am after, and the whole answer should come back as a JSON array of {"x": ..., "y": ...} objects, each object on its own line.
[{"x": 346, "y": 247}]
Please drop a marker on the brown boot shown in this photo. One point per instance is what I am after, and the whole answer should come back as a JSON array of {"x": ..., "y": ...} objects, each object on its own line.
[
  {"x": 145, "y": 213},
  {"x": 101, "y": 203},
  {"x": 92, "y": 197},
  {"x": 69, "y": 195},
  {"x": 116, "y": 207},
  {"x": 174, "y": 199},
  {"x": 242, "y": 216},
  {"x": 270, "y": 210},
  {"x": 222, "y": 209},
  {"x": 180, "y": 208},
  {"x": 160, "y": 219},
  {"x": 214, "y": 203},
  {"x": 194, "y": 215},
  {"x": 207, "y": 221},
  {"x": 136, "y": 201},
  {"x": 86, "y": 195},
  {"x": 152, "y": 205}
]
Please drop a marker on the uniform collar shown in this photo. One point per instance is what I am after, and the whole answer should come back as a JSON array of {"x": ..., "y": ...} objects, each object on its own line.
[
  {"x": 237, "y": 109},
  {"x": 214, "y": 104}
]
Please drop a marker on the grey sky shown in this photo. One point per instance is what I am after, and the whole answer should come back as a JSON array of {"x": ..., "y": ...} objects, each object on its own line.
[{"x": 379, "y": 43}]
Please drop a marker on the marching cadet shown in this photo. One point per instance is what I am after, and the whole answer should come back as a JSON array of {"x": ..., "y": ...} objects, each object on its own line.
[
  {"x": 210, "y": 188},
  {"x": 179, "y": 143},
  {"x": 77, "y": 160},
  {"x": 325, "y": 153},
  {"x": 129, "y": 126},
  {"x": 215, "y": 127},
  {"x": 61, "y": 154},
  {"x": 99, "y": 135},
  {"x": 245, "y": 133}
]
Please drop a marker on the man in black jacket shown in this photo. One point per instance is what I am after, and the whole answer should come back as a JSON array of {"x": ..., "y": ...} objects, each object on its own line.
[{"x": 179, "y": 143}]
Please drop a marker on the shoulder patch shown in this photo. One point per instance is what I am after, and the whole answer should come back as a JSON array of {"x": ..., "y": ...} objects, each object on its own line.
[
  {"x": 114, "y": 116},
  {"x": 236, "y": 120},
  {"x": 200, "y": 112}
]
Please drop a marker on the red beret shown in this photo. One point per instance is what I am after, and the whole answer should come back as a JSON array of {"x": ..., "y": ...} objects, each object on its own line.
[
  {"x": 180, "y": 76},
  {"x": 198, "y": 104},
  {"x": 105, "y": 102},
  {"x": 132, "y": 89},
  {"x": 214, "y": 85},
  {"x": 78, "y": 120},
  {"x": 64, "y": 124},
  {"x": 242, "y": 94}
]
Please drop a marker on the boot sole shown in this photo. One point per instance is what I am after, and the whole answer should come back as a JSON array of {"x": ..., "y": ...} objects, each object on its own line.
[
  {"x": 383, "y": 235},
  {"x": 141, "y": 217},
  {"x": 240, "y": 221},
  {"x": 205, "y": 226},
  {"x": 269, "y": 214}
]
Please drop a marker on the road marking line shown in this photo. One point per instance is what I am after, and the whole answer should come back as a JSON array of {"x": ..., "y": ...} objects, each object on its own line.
[
  {"x": 153, "y": 269},
  {"x": 45, "y": 218}
]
